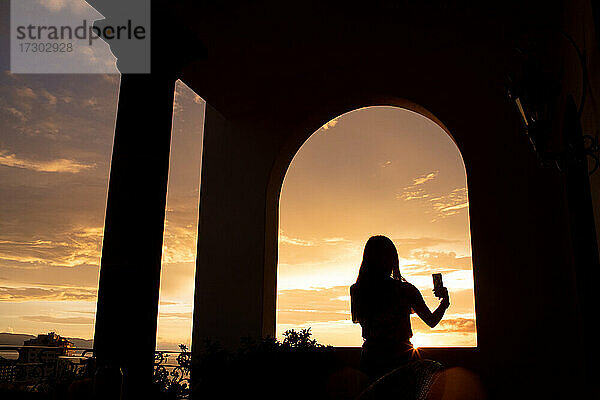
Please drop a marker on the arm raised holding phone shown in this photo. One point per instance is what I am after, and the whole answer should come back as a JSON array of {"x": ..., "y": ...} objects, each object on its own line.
[{"x": 432, "y": 318}]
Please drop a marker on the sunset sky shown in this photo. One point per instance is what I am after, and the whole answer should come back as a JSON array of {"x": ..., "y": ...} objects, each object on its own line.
[
  {"x": 377, "y": 170},
  {"x": 373, "y": 171}
]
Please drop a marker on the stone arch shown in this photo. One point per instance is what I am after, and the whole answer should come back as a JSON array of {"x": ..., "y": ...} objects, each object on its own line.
[{"x": 282, "y": 164}]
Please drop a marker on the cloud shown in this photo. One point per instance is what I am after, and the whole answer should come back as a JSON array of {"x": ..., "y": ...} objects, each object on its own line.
[
  {"x": 179, "y": 244},
  {"x": 22, "y": 294},
  {"x": 26, "y": 92},
  {"x": 46, "y": 129},
  {"x": 294, "y": 250},
  {"x": 443, "y": 205},
  {"x": 301, "y": 306},
  {"x": 80, "y": 246},
  {"x": 177, "y": 284},
  {"x": 283, "y": 239},
  {"x": 50, "y": 98},
  {"x": 59, "y": 320},
  {"x": 60, "y": 165},
  {"x": 414, "y": 192},
  {"x": 457, "y": 325},
  {"x": 334, "y": 240},
  {"x": 456, "y": 207},
  {"x": 16, "y": 113},
  {"x": 406, "y": 246},
  {"x": 75, "y": 6},
  {"x": 425, "y": 178},
  {"x": 52, "y": 223},
  {"x": 418, "y": 256},
  {"x": 303, "y": 317},
  {"x": 177, "y": 315},
  {"x": 300, "y": 250},
  {"x": 452, "y": 325},
  {"x": 54, "y": 167},
  {"x": 442, "y": 259},
  {"x": 91, "y": 102},
  {"x": 168, "y": 303},
  {"x": 325, "y": 298},
  {"x": 451, "y": 203},
  {"x": 181, "y": 230}
]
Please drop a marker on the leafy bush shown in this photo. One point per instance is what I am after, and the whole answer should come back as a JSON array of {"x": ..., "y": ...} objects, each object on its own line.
[{"x": 266, "y": 368}]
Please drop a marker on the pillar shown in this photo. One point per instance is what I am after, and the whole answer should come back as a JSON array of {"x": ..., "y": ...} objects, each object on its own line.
[
  {"x": 128, "y": 293},
  {"x": 231, "y": 301}
]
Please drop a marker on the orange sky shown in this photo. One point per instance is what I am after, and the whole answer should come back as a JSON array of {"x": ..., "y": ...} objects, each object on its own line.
[{"x": 373, "y": 171}]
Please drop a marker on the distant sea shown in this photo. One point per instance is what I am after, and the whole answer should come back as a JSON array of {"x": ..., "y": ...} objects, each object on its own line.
[{"x": 17, "y": 339}]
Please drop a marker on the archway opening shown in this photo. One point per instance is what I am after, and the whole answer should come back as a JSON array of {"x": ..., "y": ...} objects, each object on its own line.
[
  {"x": 375, "y": 170},
  {"x": 181, "y": 221}
]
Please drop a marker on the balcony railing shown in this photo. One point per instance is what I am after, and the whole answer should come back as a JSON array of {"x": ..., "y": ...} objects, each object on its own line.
[{"x": 43, "y": 368}]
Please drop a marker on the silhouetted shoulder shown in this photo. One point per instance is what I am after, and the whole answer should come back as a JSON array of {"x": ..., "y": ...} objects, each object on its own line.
[
  {"x": 409, "y": 286},
  {"x": 403, "y": 285},
  {"x": 409, "y": 291}
]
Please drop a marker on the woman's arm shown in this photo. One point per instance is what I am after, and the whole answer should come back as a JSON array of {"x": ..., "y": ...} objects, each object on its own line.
[{"x": 431, "y": 319}]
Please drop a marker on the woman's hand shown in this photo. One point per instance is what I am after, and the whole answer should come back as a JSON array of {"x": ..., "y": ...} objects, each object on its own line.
[{"x": 442, "y": 293}]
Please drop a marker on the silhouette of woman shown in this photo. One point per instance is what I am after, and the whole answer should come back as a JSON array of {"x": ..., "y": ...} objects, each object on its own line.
[{"x": 382, "y": 301}]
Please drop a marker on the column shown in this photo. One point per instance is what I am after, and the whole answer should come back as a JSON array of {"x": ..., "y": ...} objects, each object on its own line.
[
  {"x": 127, "y": 307},
  {"x": 230, "y": 297}
]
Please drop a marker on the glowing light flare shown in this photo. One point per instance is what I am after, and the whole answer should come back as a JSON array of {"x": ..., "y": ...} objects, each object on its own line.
[{"x": 419, "y": 340}]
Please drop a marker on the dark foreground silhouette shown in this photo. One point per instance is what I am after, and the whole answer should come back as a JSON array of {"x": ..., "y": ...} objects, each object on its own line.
[{"x": 382, "y": 302}]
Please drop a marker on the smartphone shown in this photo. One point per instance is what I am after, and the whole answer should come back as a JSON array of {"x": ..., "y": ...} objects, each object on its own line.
[{"x": 437, "y": 281}]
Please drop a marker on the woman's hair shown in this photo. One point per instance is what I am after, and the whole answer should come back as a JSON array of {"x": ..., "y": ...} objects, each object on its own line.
[{"x": 380, "y": 261}]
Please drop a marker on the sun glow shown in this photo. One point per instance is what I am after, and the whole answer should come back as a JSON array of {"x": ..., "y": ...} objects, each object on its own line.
[{"x": 418, "y": 340}]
